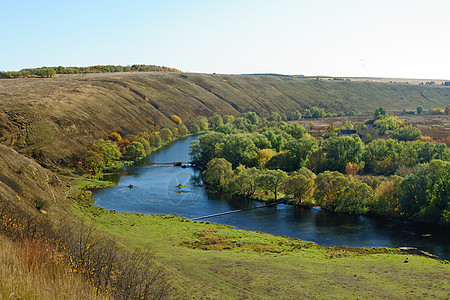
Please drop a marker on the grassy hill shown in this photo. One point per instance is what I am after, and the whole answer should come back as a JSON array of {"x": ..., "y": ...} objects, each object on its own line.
[{"x": 54, "y": 118}]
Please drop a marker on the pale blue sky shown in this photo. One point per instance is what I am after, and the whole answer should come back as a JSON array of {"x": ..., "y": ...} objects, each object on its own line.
[{"x": 386, "y": 38}]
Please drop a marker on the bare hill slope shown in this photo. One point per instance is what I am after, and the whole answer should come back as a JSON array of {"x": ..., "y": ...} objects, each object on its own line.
[{"x": 54, "y": 118}]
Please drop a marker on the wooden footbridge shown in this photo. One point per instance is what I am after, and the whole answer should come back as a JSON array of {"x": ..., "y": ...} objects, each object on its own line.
[
  {"x": 177, "y": 163},
  {"x": 235, "y": 211}
]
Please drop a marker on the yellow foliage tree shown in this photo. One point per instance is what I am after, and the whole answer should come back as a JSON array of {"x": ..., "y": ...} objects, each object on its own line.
[
  {"x": 264, "y": 156},
  {"x": 176, "y": 119},
  {"x": 116, "y": 137}
]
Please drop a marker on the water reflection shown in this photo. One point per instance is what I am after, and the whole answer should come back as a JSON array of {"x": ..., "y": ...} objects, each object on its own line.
[{"x": 156, "y": 190}]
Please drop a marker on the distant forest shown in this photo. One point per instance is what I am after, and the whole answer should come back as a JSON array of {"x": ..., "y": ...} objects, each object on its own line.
[{"x": 52, "y": 71}]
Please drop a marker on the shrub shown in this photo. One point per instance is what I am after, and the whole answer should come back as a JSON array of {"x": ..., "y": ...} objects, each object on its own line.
[{"x": 176, "y": 119}]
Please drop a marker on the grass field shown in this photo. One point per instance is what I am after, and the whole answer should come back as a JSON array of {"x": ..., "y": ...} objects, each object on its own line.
[{"x": 211, "y": 261}]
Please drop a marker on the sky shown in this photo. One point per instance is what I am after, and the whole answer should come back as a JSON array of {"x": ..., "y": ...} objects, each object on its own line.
[{"x": 381, "y": 38}]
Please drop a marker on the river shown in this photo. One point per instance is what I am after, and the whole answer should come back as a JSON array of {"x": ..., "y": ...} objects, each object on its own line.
[{"x": 155, "y": 192}]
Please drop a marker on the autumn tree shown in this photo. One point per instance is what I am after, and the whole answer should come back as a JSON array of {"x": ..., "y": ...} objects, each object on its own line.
[
  {"x": 263, "y": 157},
  {"x": 351, "y": 169},
  {"x": 386, "y": 200},
  {"x": 114, "y": 136},
  {"x": 176, "y": 119}
]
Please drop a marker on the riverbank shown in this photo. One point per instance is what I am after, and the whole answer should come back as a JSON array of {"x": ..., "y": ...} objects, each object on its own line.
[{"x": 216, "y": 261}]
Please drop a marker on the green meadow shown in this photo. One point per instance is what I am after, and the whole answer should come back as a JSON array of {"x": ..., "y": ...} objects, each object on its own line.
[{"x": 203, "y": 260}]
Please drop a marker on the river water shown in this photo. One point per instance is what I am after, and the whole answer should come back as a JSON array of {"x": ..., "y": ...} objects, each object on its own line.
[{"x": 155, "y": 192}]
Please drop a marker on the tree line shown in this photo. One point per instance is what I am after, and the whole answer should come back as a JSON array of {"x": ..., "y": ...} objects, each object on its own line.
[
  {"x": 117, "y": 150},
  {"x": 393, "y": 174},
  {"x": 52, "y": 71}
]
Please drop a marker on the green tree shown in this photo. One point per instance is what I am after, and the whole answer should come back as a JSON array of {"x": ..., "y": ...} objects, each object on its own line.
[
  {"x": 205, "y": 149},
  {"x": 328, "y": 188},
  {"x": 301, "y": 185},
  {"x": 380, "y": 113},
  {"x": 182, "y": 129},
  {"x": 299, "y": 151},
  {"x": 427, "y": 151},
  {"x": 341, "y": 150},
  {"x": 239, "y": 149},
  {"x": 228, "y": 119},
  {"x": 252, "y": 117},
  {"x": 354, "y": 198},
  {"x": 108, "y": 149},
  {"x": 419, "y": 110},
  {"x": 406, "y": 133},
  {"x": 274, "y": 117},
  {"x": 245, "y": 181},
  {"x": 94, "y": 161},
  {"x": 272, "y": 180},
  {"x": 426, "y": 194},
  {"x": 166, "y": 135},
  {"x": 216, "y": 120},
  {"x": 218, "y": 173},
  {"x": 135, "y": 151}
]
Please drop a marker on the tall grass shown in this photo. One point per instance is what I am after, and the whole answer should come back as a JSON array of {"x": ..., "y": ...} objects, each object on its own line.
[
  {"x": 31, "y": 270},
  {"x": 75, "y": 250}
]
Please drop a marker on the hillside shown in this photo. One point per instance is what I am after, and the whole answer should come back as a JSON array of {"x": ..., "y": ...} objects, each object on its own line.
[{"x": 52, "y": 119}]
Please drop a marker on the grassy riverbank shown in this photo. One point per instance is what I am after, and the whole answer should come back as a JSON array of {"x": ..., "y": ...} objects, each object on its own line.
[{"x": 214, "y": 261}]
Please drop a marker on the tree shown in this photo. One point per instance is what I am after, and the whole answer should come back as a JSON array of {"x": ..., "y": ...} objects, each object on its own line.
[
  {"x": 108, "y": 149},
  {"x": 218, "y": 173},
  {"x": 182, "y": 129},
  {"x": 252, "y": 117},
  {"x": 176, "y": 119},
  {"x": 406, "y": 133},
  {"x": 341, "y": 150},
  {"x": 354, "y": 198},
  {"x": 94, "y": 161},
  {"x": 245, "y": 181},
  {"x": 301, "y": 185},
  {"x": 272, "y": 180},
  {"x": 426, "y": 194},
  {"x": 114, "y": 136},
  {"x": 328, "y": 187},
  {"x": 428, "y": 151},
  {"x": 135, "y": 151},
  {"x": 419, "y": 110},
  {"x": 216, "y": 120},
  {"x": 239, "y": 149},
  {"x": 205, "y": 149},
  {"x": 299, "y": 151},
  {"x": 166, "y": 135},
  {"x": 387, "y": 197},
  {"x": 45, "y": 72},
  {"x": 228, "y": 119},
  {"x": 263, "y": 157},
  {"x": 274, "y": 117},
  {"x": 352, "y": 168},
  {"x": 154, "y": 140},
  {"x": 380, "y": 113}
]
